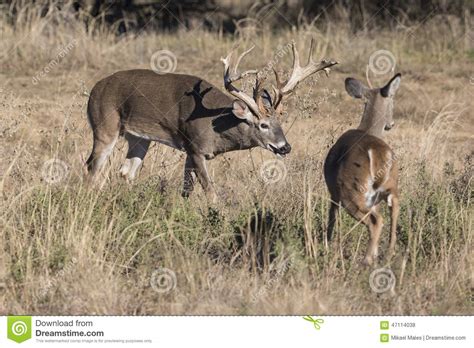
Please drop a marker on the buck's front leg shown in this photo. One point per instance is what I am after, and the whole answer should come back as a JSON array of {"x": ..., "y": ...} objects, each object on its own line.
[{"x": 203, "y": 177}]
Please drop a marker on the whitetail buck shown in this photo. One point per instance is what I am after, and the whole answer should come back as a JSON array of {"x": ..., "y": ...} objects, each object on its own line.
[
  {"x": 361, "y": 169},
  {"x": 189, "y": 114}
]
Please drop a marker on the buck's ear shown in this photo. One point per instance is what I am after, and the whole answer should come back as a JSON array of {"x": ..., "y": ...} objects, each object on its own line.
[
  {"x": 242, "y": 111},
  {"x": 391, "y": 87},
  {"x": 267, "y": 99},
  {"x": 355, "y": 88}
]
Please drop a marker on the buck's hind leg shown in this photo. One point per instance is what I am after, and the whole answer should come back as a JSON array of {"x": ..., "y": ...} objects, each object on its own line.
[
  {"x": 137, "y": 150},
  {"x": 189, "y": 177},
  {"x": 105, "y": 124},
  {"x": 101, "y": 150}
]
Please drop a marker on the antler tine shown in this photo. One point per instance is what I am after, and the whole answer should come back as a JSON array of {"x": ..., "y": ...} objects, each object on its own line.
[
  {"x": 257, "y": 88},
  {"x": 257, "y": 96},
  {"x": 299, "y": 73},
  {"x": 226, "y": 62},
  {"x": 296, "y": 56},
  {"x": 234, "y": 75},
  {"x": 240, "y": 58},
  {"x": 231, "y": 77},
  {"x": 228, "y": 58},
  {"x": 277, "y": 89},
  {"x": 278, "y": 81},
  {"x": 311, "y": 48}
]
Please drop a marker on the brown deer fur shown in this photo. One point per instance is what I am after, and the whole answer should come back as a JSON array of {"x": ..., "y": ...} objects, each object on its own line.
[{"x": 361, "y": 169}]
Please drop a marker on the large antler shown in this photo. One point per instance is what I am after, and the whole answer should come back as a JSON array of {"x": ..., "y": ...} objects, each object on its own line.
[
  {"x": 299, "y": 73},
  {"x": 231, "y": 76}
]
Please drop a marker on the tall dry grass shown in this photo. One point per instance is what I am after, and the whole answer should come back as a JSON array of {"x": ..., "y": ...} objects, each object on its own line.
[{"x": 70, "y": 249}]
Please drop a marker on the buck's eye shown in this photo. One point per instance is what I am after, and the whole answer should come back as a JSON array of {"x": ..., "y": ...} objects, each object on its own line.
[{"x": 264, "y": 126}]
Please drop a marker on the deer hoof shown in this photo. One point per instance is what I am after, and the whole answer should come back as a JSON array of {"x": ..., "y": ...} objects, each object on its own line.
[
  {"x": 368, "y": 261},
  {"x": 212, "y": 197}
]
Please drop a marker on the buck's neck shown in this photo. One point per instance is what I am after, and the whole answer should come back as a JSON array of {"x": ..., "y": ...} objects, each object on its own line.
[
  {"x": 373, "y": 119},
  {"x": 236, "y": 135}
]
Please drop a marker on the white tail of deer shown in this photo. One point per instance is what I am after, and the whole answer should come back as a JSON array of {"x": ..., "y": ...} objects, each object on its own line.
[{"x": 361, "y": 169}]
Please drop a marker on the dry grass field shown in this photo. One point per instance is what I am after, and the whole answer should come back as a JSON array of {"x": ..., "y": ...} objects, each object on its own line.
[{"x": 118, "y": 248}]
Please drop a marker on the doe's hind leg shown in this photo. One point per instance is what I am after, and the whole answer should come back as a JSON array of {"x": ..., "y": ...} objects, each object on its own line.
[
  {"x": 374, "y": 222},
  {"x": 332, "y": 215},
  {"x": 394, "y": 206}
]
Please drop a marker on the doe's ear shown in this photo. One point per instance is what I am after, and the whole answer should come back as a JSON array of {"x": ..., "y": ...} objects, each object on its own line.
[
  {"x": 391, "y": 87},
  {"x": 355, "y": 88},
  {"x": 242, "y": 111}
]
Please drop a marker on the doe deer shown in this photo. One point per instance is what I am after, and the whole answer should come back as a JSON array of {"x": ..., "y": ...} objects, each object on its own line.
[
  {"x": 361, "y": 169},
  {"x": 189, "y": 114}
]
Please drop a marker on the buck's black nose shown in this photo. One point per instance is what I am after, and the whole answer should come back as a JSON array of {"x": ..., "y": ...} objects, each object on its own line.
[
  {"x": 285, "y": 149},
  {"x": 389, "y": 126}
]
